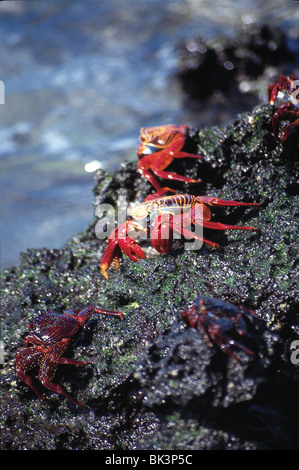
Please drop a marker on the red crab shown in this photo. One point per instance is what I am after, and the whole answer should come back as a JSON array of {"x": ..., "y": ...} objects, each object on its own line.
[
  {"x": 289, "y": 87},
  {"x": 168, "y": 214},
  {"x": 157, "y": 149},
  {"x": 219, "y": 321},
  {"x": 51, "y": 334}
]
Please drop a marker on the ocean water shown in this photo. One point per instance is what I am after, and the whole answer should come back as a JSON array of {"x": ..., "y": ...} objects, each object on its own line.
[{"x": 80, "y": 78}]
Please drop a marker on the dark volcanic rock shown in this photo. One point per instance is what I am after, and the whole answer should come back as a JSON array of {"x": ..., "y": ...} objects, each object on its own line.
[
  {"x": 209, "y": 67},
  {"x": 154, "y": 383}
]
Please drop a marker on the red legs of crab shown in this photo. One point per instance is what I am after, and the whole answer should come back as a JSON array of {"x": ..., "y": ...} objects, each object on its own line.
[
  {"x": 158, "y": 161},
  {"x": 109, "y": 313},
  {"x": 49, "y": 363},
  {"x": 179, "y": 222},
  {"x": 218, "y": 225},
  {"x": 192, "y": 235},
  {"x": 166, "y": 175},
  {"x": 59, "y": 389},
  {"x": 49, "y": 366},
  {"x": 220, "y": 202},
  {"x": 221, "y": 340},
  {"x": 24, "y": 361},
  {"x": 212, "y": 225},
  {"x": 149, "y": 177},
  {"x": 174, "y": 176}
]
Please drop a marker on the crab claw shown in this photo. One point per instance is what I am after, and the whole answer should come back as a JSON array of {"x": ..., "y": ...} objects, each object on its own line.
[
  {"x": 114, "y": 250},
  {"x": 131, "y": 248}
]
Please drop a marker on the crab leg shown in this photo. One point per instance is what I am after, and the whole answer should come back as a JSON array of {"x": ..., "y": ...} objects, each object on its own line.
[
  {"x": 113, "y": 313},
  {"x": 174, "y": 176},
  {"x": 222, "y": 341},
  {"x": 157, "y": 168},
  {"x": 147, "y": 175},
  {"x": 215, "y": 201},
  {"x": 220, "y": 226},
  {"x": 192, "y": 235},
  {"x": 49, "y": 366},
  {"x": 24, "y": 359},
  {"x": 165, "y": 157}
]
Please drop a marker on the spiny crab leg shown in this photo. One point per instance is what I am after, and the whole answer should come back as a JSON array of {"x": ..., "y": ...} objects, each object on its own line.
[
  {"x": 220, "y": 226},
  {"x": 24, "y": 358}
]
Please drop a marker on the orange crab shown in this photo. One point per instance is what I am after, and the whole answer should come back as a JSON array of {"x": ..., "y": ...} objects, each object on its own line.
[
  {"x": 157, "y": 149},
  {"x": 159, "y": 219}
]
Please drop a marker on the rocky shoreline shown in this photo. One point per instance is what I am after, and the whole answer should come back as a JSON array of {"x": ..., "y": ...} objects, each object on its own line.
[{"x": 153, "y": 382}]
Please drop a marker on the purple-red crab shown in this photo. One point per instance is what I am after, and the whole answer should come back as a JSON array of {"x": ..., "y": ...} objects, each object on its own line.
[
  {"x": 288, "y": 86},
  {"x": 157, "y": 149},
  {"x": 51, "y": 334},
  {"x": 219, "y": 321},
  {"x": 164, "y": 216}
]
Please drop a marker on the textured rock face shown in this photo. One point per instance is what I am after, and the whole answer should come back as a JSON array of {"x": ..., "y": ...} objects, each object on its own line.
[{"x": 153, "y": 382}]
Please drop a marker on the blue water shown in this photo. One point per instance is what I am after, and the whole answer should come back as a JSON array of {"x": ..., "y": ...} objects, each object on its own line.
[{"x": 81, "y": 78}]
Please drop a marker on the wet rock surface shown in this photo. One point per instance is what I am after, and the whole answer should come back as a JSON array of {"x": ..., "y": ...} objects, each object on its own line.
[{"x": 154, "y": 383}]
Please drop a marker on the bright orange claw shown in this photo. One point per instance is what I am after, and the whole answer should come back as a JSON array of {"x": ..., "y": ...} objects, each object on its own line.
[{"x": 158, "y": 147}]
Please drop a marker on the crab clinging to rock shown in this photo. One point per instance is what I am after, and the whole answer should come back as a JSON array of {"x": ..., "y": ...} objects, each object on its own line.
[
  {"x": 219, "y": 321},
  {"x": 286, "y": 87},
  {"x": 158, "y": 147},
  {"x": 50, "y": 336}
]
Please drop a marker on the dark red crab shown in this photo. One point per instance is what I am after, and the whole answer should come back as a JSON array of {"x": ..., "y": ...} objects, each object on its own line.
[
  {"x": 219, "y": 321},
  {"x": 288, "y": 87},
  {"x": 51, "y": 334}
]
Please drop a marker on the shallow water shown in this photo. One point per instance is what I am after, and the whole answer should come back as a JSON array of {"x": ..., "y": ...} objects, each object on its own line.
[{"x": 79, "y": 83}]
